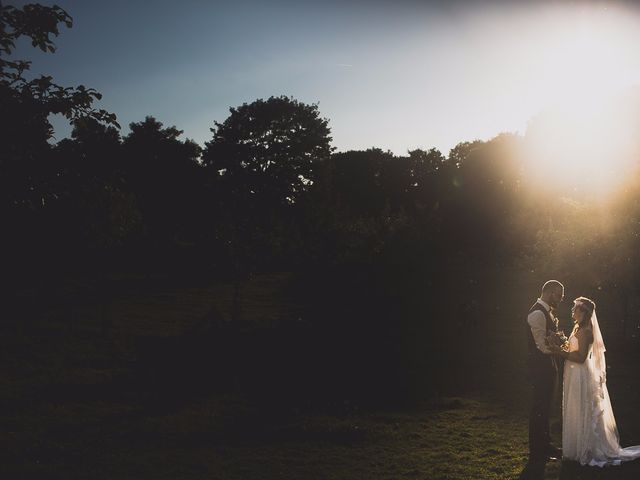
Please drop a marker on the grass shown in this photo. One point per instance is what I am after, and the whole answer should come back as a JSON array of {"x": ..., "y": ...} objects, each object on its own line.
[{"x": 70, "y": 407}]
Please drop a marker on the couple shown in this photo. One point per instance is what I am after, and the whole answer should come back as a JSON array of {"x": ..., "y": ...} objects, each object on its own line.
[{"x": 589, "y": 432}]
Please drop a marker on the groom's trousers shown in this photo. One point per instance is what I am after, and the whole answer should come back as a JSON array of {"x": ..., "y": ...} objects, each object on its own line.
[{"x": 543, "y": 386}]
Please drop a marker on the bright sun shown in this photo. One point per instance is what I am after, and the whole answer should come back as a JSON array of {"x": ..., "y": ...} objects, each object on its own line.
[{"x": 585, "y": 139}]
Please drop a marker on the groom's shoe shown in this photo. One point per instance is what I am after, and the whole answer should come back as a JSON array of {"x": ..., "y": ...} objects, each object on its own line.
[{"x": 553, "y": 453}]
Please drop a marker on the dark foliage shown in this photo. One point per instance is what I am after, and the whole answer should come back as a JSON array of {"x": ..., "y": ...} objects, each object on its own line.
[{"x": 364, "y": 232}]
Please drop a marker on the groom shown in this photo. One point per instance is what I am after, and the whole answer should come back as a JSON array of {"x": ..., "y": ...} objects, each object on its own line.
[{"x": 543, "y": 369}]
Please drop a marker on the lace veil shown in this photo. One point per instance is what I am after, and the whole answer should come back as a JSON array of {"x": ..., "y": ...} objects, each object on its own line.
[{"x": 596, "y": 357}]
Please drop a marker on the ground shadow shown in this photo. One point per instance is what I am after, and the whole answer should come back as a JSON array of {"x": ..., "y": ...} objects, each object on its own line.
[{"x": 533, "y": 470}]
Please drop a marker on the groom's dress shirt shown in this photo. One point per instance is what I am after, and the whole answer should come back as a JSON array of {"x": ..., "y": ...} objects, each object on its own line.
[{"x": 538, "y": 324}]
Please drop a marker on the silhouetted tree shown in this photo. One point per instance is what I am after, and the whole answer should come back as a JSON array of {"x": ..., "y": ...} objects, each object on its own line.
[
  {"x": 165, "y": 175},
  {"x": 26, "y": 104},
  {"x": 427, "y": 168},
  {"x": 484, "y": 193},
  {"x": 459, "y": 154},
  {"x": 262, "y": 159},
  {"x": 357, "y": 180},
  {"x": 425, "y": 163},
  {"x": 29, "y": 179},
  {"x": 267, "y": 149},
  {"x": 359, "y": 200},
  {"x": 95, "y": 206}
]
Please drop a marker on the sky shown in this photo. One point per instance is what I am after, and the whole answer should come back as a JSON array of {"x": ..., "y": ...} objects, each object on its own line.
[{"x": 392, "y": 75}]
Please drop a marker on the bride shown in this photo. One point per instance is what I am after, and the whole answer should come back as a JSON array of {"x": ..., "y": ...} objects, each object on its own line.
[{"x": 589, "y": 431}]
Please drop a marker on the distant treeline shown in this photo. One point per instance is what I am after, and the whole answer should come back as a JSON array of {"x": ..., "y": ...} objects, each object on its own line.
[{"x": 268, "y": 191}]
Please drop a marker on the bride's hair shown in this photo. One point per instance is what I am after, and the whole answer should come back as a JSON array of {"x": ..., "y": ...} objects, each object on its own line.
[{"x": 588, "y": 306}]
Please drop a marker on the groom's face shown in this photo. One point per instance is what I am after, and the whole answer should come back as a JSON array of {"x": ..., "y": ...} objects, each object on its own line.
[{"x": 556, "y": 297}]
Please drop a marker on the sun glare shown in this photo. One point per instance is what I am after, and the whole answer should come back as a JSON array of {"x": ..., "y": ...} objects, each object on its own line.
[
  {"x": 584, "y": 139},
  {"x": 584, "y": 145}
]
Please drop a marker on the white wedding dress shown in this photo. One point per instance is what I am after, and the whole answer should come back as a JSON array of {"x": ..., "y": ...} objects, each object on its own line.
[{"x": 589, "y": 431}]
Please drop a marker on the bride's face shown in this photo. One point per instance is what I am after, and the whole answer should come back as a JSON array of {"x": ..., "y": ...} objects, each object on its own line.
[{"x": 577, "y": 313}]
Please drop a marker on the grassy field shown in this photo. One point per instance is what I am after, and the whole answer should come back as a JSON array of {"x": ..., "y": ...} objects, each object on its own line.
[{"x": 71, "y": 408}]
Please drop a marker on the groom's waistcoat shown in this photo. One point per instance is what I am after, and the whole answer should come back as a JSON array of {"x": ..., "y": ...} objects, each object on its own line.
[{"x": 537, "y": 360}]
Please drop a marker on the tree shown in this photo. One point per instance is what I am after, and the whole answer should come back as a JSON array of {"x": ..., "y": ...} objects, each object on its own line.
[
  {"x": 26, "y": 104},
  {"x": 29, "y": 178},
  {"x": 166, "y": 177},
  {"x": 262, "y": 161},
  {"x": 94, "y": 207},
  {"x": 356, "y": 180},
  {"x": 462, "y": 152},
  {"x": 268, "y": 149},
  {"x": 484, "y": 195},
  {"x": 425, "y": 163},
  {"x": 357, "y": 204}
]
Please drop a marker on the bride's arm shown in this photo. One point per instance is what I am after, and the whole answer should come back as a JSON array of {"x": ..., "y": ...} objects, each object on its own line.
[{"x": 585, "y": 338}]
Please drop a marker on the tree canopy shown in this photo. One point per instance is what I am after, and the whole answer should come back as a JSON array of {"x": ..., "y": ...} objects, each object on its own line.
[{"x": 269, "y": 148}]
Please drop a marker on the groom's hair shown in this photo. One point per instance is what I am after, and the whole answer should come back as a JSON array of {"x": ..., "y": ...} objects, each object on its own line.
[{"x": 551, "y": 286}]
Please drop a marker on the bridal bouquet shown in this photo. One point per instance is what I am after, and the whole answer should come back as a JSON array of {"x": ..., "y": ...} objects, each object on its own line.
[{"x": 559, "y": 339}]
